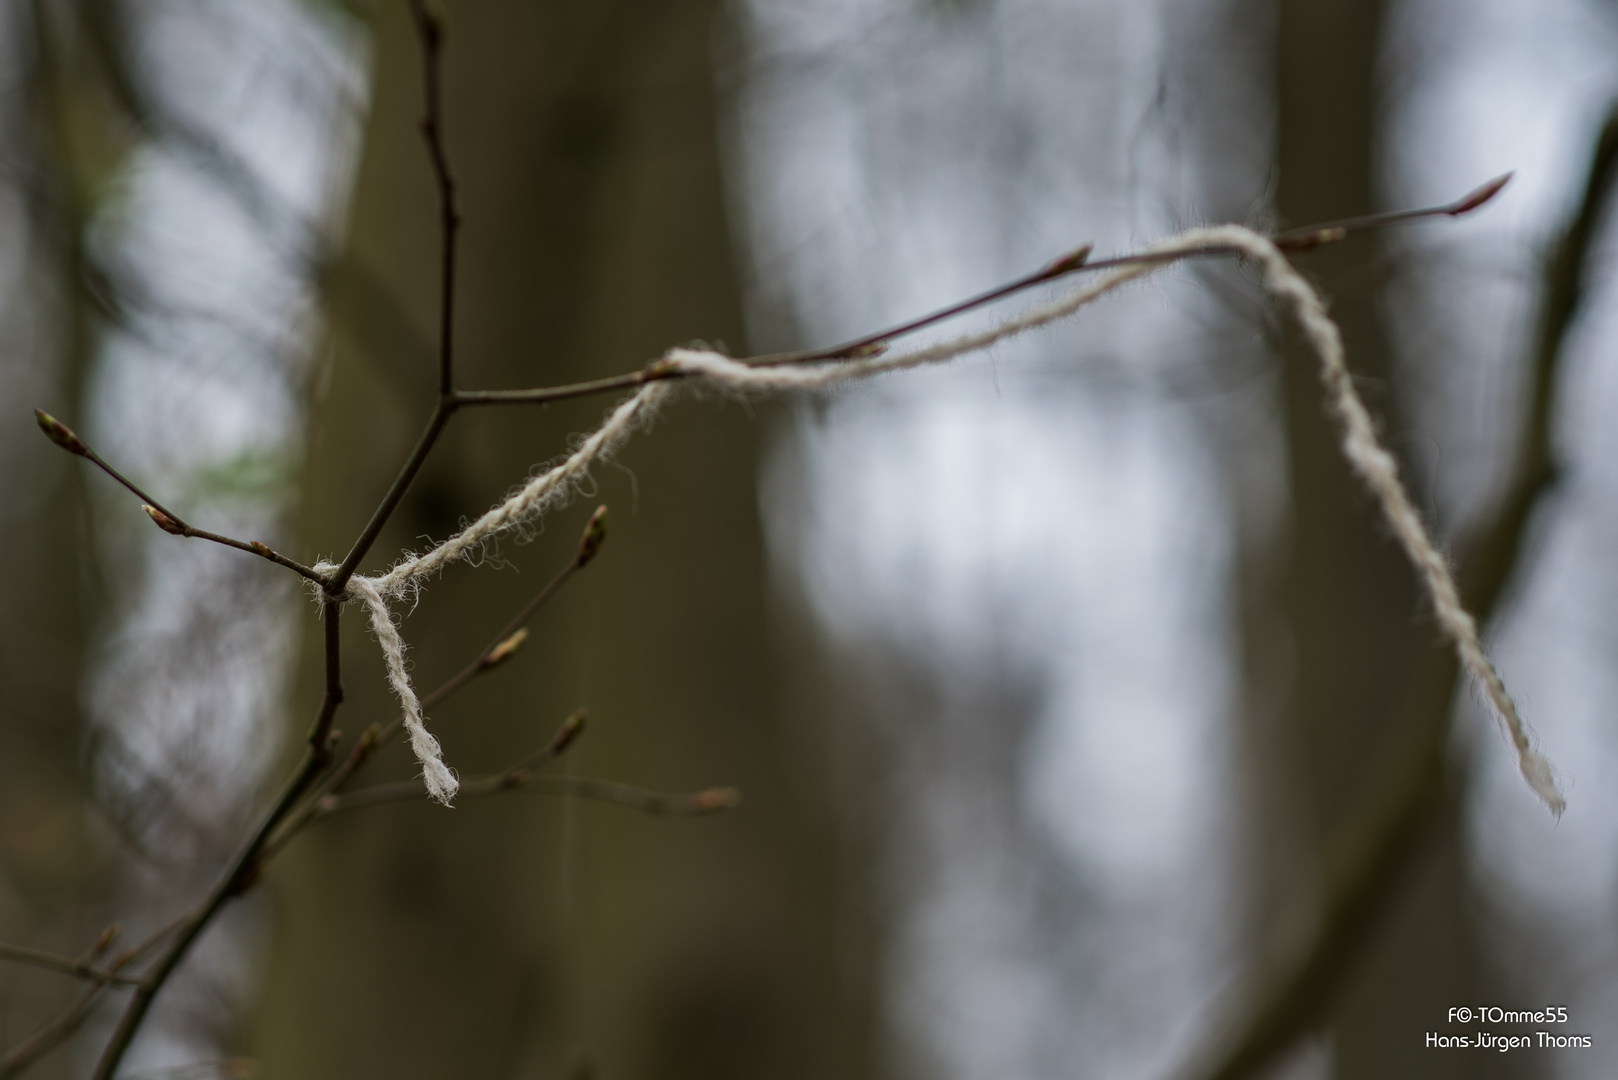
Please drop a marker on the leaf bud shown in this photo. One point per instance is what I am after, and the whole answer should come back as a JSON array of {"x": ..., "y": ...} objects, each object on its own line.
[
  {"x": 502, "y": 652},
  {"x": 715, "y": 799},
  {"x": 595, "y": 534},
  {"x": 162, "y": 520},
  {"x": 60, "y": 434}
]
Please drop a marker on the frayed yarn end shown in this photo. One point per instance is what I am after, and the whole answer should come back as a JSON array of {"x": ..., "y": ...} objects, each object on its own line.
[
  {"x": 1537, "y": 771},
  {"x": 440, "y": 781}
]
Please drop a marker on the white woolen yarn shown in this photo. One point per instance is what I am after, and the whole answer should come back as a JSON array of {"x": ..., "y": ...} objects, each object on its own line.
[{"x": 1369, "y": 459}]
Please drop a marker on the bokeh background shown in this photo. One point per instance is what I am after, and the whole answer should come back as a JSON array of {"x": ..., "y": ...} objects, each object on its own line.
[{"x": 1050, "y": 678}]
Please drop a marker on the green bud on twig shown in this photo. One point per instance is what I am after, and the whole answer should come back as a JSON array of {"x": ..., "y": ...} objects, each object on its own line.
[
  {"x": 60, "y": 434},
  {"x": 595, "y": 534}
]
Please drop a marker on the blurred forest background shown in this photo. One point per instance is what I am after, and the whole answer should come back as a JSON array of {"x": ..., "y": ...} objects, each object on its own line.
[{"x": 1053, "y": 680}]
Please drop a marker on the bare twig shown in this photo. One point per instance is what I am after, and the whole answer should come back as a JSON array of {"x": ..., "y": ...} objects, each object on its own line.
[
  {"x": 165, "y": 519},
  {"x": 1293, "y": 240},
  {"x": 1364, "y": 866},
  {"x": 497, "y": 652},
  {"x": 243, "y": 869},
  {"x": 246, "y": 865},
  {"x": 521, "y": 775},
  {"x": 65, "y": 965},
  {"x": 61, "y": 1028},
  {"x": 430, "y": 30},
  {"x": 709, "y": 801}
]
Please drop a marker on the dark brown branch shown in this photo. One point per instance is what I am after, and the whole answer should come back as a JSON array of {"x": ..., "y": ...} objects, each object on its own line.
[
  {"x": 165, "y": 519},
  {"x": 1365, "y": 866},
  {"x": 243, "y": 869},
  {"x": 430, "y": 29},
  {"x": 418, "y": 457},
  {"x": 1294, "y": 240}
]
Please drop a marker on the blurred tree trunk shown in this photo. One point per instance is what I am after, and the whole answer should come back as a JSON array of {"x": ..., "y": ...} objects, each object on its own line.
[
  {"x": 49, "y": 593},
  {"x": 521, "y": 936},
  {"x": 1354, "y": 617}
]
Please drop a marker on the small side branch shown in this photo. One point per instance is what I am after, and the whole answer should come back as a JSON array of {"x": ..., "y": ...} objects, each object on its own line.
[
  {"x": 497, "y": 652},
  {"x": 65, "y": 965},
  {"x": 1076, "y": 261},
  {"x": 244, "y": 867},
  {"x": 430, "y": 30},
  {"x": 164, "y": 518}
]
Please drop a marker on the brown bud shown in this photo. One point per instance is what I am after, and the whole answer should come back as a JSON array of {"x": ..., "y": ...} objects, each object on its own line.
[
  {"x": 595, "y": 534},
  {"x": 1070, "y": 262},
  {"x": 569, "y": 732},
  {"x": 715, "y": 799},
  {"x": 105, "y": 940},
  {"x": 1477, "y": 198},
  {"x": 260, "y": 549},
  {"x": 502, "y": 652},
  {"x": 1309, "y": 240},
  {"x": 660, "y": 368},
  {"x": 60, "y": 434},
  {"x": 162, "y": 520}
]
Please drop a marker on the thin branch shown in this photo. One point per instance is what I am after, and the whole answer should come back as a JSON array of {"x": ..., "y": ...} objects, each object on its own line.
[
  {"x": 507, "y": 641},
  {"x": 521, "y": 775},
  {"x": 431, "y": 32},
  {"x": 430, "y": 29},
  {"x": 1365, "y": 865},
  {"x": 565, "y": 737},
  {"x": 65, "y": 965},
  {"x": 47, "y": 1038},
  {"x": 1293, "y": 240},
  {"x": 165, "y": 519},
  {"x": 243, "y": 869}
]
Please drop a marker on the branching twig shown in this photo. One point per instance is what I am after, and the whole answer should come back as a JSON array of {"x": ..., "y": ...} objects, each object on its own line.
[
  {"x": 521, "y": 775},
  {"x": 60, "y": 1029},
  {"x": 165, "y": 519},
  {"x": 498, "y": 651},
  {"x": 244, "y": 867},
  {"x": 430, "y": 31},
  {"x": 295, "y": 806},
  {"x": 65, "y": 965},
  {"x": 1364, "y": 866}
]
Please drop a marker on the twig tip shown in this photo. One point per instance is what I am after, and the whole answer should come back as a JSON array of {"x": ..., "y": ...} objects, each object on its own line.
[
  {"x": 595, "y": 534},
  {"x": 715, "y": 799},
  {"x": 1474, "y": 199},
  {"x": 60, "y": 434},
  {"x": 569, "y": 732}
]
